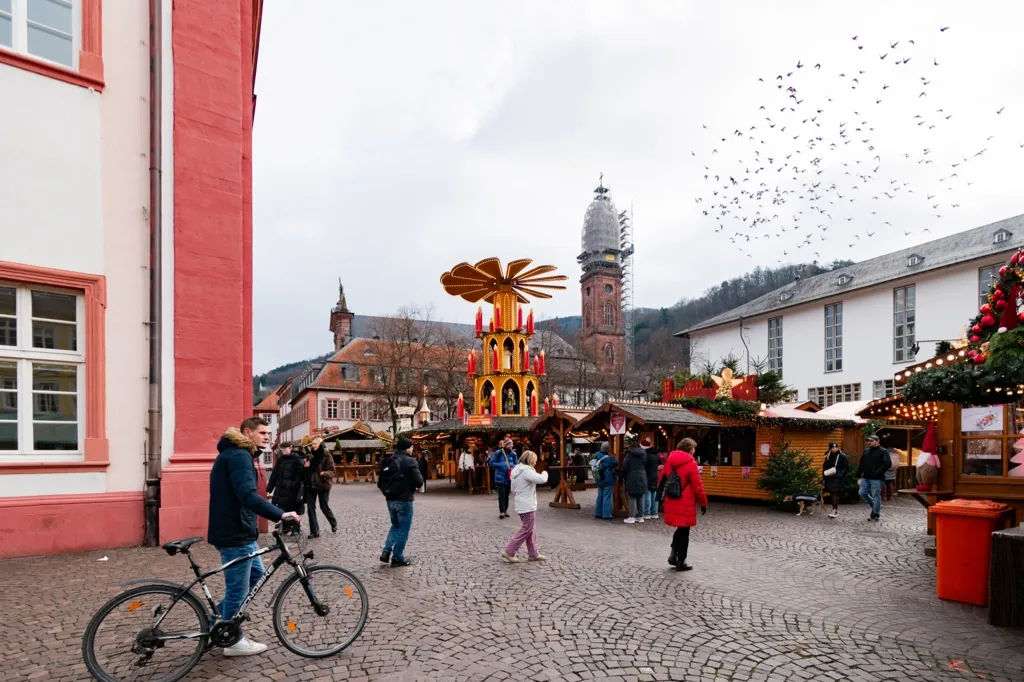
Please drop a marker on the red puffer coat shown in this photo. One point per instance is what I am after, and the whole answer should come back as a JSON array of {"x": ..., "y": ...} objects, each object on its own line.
[{"x": 683, "y": 511}]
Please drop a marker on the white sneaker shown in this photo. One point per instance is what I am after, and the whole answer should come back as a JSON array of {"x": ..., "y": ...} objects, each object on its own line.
[
  {"x": 244, "y": 647},
  {"x": 833, "y": 514},
  {"x": 630, "y": 520},
  {"x": 639, "y": 519}
]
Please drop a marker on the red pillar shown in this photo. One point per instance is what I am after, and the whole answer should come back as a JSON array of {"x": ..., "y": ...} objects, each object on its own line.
[{"x": 213, "y": 78}]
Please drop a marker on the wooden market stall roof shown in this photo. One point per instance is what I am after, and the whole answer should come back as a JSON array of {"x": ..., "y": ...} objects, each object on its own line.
[
  {"x": 367, "y": 444},
  {"x": 644, "y": 413},
  {"x": 360, "y": 431},
  {"x": 442, "y": 429},
  {"x": 895, "y": 408}
]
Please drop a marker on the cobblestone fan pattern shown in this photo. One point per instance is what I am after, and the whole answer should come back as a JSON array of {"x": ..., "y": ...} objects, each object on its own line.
[{"x": 773, "y": 598}]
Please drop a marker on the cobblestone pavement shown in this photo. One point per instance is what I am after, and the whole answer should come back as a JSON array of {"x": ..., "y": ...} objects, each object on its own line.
[{"x": 773, "y": 598}]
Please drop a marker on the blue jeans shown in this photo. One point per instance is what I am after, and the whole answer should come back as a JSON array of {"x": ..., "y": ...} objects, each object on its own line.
[
  {"x": 651, "y": 503},
  {"x": 871, "y": 492},
  {"x": 239, "y": 578},
  {"x": 603, "y": 510},
  {"x": 401, "y": 522}
]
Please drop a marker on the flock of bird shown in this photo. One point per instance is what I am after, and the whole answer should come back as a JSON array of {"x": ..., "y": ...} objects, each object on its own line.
[{"x": 802, "y": 172}]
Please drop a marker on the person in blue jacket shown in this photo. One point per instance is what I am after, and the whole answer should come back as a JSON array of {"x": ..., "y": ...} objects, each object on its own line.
[
  {"x": 607, "y": 466},
  {"x": 502, "y": 462},
  {"x": 235, "y": 502}
]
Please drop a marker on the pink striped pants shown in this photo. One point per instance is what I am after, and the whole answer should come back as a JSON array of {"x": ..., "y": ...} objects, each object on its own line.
[{"x": 527, "y": 533}]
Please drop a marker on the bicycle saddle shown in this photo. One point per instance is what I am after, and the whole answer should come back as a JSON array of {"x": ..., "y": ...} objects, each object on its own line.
[{"x": 180, "y": 545}]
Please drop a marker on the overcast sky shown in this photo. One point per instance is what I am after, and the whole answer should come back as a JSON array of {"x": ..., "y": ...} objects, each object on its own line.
[{"x": 394, "y": 140}]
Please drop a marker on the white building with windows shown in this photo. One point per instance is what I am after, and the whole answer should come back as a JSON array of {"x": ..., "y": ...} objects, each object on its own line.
[{"x": 842, "y": 335}]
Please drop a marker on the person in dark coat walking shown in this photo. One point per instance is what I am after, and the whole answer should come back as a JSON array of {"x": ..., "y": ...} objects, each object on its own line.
[
  {"x": 319, "y": 472},
  {"x": 652, "y": 464},
  {"x": 286, "y": 485},
  {"x": 606, "y": 478},
  {"x": 633, "y": 473},
  {"x": 681, "y": 512},
  {"x": 834, "y": 474},
  {"x": 424, "y": 466},
  {"x": 874, "y": 462},
  {"x": 580, "y": 462},
  {"x": 502, "y": 462}
]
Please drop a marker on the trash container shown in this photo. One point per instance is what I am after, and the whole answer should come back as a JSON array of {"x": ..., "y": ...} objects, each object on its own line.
[
  {"x": 1006, "y": 580},
  {"x": 963, "y": 546}
]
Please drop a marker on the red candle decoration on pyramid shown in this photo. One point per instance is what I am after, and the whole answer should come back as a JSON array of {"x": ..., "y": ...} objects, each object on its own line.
[
  {"x": 526, "y": 360},
  {"x": 533, "y": 404},
  {"x": 543, "y": 365},
  {"x": 472, "y": 364},
  {"x": 536, "y": 365},
  {"x": 490, "y": 325},
  {"x": 497, "y": 317},
  {"x": 494, "y": 404},
  {"x": 520, "y": 314},
  {"x": 554, "y": 400},
  {"x": 529, "y": 322},
  {"x": 461, "y": 407},
  {"x": 479, "y": 321},
  {"x": 547, "y": 405},
  {"x": 494, "y": 359}
]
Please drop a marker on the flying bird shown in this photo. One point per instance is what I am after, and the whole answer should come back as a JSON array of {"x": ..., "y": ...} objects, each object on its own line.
[
  {"x": 1000, "y": 110},
  {"x": 943, "y": 29}
]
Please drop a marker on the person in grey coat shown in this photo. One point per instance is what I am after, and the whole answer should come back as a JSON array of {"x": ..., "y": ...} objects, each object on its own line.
[{"x": 633, "y": 473}]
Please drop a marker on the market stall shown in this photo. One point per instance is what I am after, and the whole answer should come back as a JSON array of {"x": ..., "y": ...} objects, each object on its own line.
[
  {"x": 356, "y": 451},
  {"x": 560, "y": 422}
]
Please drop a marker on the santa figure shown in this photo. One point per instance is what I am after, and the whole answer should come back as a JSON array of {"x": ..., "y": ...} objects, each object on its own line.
[{"x": 928, "y": 461}]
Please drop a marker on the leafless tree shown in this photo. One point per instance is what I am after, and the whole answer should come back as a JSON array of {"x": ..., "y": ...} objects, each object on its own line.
[
  {"x": 400, "y": 346},
  {"x": 446, "y": 365}
]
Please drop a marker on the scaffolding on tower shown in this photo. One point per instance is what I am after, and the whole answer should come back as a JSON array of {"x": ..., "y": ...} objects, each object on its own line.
[{"x": 626, "y": 245}]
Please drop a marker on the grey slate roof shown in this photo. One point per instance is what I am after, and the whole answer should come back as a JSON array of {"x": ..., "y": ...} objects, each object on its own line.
[
  {"x": 978, "y": 242},
  {"x": 456, "y": 426},
  {"x": 662, "y": 414},
  {"x": 371, "y": 444}
]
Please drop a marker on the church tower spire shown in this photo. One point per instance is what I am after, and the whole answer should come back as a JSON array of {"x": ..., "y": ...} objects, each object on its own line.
[
  {"x": 341, "y": 320},
  {"x": 601, "y": 283}
]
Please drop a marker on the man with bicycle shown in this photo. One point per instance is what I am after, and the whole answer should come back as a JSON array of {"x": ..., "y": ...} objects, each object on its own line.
[{"x": 235, "y": 502}]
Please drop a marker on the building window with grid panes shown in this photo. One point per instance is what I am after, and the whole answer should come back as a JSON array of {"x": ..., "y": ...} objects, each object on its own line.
[
  {"x": 904, "y": 323},
  {"x": 44, "y": 29},
  {"x": 987, "y": 277},
  {"x": 332, "y": 408},
  {"x": 826, "y": 396},
  {"x": 885, "y": 388},
  {"x": 775, "y": 345},
  {"x": 42, "y": 371},
  {"x": 378, "y": 411},
  {"x": 355, "y": 409},
  {"x": 834, "y": 337}
]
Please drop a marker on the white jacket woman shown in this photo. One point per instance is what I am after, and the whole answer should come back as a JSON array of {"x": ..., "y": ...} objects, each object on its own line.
[{"x": 525, "y": 480}]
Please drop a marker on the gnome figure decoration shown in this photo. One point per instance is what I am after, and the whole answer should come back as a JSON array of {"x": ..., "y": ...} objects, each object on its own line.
[{"x": 928, "y": 461}]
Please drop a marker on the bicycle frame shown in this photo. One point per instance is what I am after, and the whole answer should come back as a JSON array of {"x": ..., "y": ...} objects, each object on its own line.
[{"x": 284, "y": 557}]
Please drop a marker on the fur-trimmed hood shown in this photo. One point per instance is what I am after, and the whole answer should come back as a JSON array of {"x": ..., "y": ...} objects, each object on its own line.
[{"x": 233, "y": 437}]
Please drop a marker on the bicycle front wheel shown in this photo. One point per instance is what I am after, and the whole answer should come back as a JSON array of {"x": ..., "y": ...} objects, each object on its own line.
[
  {"x": 124, "y": 641},
  {"x": 306, "y": 633}
]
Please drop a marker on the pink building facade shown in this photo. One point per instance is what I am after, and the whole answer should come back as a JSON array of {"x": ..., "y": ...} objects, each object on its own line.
[{"x": 86, "y": 121}]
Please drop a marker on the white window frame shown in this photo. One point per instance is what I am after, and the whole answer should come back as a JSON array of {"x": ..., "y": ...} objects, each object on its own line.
[
  {"x": 884, "y": 388},
  {"x": 775, "y": 331},
  {"x": 25, "y": 356},
  {"x": 355, "y": 409},
  {"x": 333, "y": 406},
  {"x": 985, "y": 284},
  {"x": 1001, "y": 236},
  {"x": 834, "y": 337},
  {"x": 19, "y": 32},
  {"x": 903, "y": 353},
  {"x": 826, "y": 396}
]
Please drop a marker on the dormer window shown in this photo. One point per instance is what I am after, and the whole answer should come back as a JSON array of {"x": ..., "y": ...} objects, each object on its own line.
[
  {"x": 914, "y": 259},
  {"x": 845, "y": 279},
  {"x": 785, "y": 295},
  {"x": 1001, "y": 236}
]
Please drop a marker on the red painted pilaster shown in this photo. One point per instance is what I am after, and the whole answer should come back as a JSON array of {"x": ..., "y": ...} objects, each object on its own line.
[{"x": 212, "y": 248}]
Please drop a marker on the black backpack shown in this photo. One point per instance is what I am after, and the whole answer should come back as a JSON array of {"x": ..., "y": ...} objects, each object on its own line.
[
  {"x": 673, "y": 485},
  {"x": 391, "y": 480}
]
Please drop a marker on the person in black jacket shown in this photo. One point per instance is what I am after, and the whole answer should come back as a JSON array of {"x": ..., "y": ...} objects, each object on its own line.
[
  {"x": 235, "y": 502},
  {"x": 287, "y": 484},
  {"x": 634, "y": 476},
  {"x": 874, "y": 462},
  {"x": 651, "y": 497},
  {"x": 398, "y": 479},
  {"x": 424, "y": 464},
  {"x": 319, "y": 468},
  {"x": 833, "y": 472}
]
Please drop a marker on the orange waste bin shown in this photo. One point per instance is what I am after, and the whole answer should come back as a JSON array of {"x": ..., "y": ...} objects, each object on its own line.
[{"x": 963, "y": 547}]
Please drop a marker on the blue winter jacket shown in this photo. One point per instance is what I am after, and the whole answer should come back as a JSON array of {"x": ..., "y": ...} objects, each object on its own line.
[
  {"x": 609, "y": 465},
  {"x": 235, "y": 501},
  {"x": 503, "y": 464}
]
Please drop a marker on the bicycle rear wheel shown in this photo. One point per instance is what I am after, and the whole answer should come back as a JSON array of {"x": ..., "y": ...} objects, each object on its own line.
[
  {"x": 308, "y": 634},
  {"x": 121, "y": 642}
]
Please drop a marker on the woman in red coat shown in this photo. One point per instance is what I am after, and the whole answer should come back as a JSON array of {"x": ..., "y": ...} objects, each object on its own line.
[{"x": 681, "y": 512}]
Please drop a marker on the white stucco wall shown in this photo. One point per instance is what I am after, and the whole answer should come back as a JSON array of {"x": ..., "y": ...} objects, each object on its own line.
[
  {"x": 74, "y": 196},
  {"x": 945, "y": 300}
]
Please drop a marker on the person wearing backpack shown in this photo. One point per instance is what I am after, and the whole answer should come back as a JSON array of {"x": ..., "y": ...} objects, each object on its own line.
[
  {"x": 604, "y": 466},
  {"x": 502, "y": 462},
  {"x": 398, "y": 479},
  {"x": 524, "y": 485},
  {"x": 682, "y": 490},
  {"x": 285, "y": 487}
]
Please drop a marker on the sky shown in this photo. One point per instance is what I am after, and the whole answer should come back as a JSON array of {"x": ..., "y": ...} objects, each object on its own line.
[{"x": 395, "y": 140}]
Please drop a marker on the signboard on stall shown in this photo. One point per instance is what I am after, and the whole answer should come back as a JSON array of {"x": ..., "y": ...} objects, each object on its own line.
[
  {"x": 618, "y": 424},
  {"x": 766, "y": 449},
  {"x": 714, "y": 472},
  {"x": 745, "y": 473},
  {"x": 982, "y": 419},
  {"x": 478, "y": 420}
]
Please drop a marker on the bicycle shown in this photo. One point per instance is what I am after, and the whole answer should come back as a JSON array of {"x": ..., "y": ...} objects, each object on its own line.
[{"x": 201, "y": 629}]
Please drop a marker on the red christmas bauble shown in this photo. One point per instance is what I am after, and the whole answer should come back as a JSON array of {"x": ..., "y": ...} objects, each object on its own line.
[
  {"x": 998, "y": 293},
  {"x": 975, "y": 338},
  {"x": 1000, "y": 304},
  {"x": 1014, "y": 258},
  {"x": 987, "y": 320},
  {"x": 1002, "y": 271},
  {"x": 986, "y": 309},
  {"x": 1020, "y": 318},
  {"x": 976, "y": 329},
  {"x": 979, "y": 358}
]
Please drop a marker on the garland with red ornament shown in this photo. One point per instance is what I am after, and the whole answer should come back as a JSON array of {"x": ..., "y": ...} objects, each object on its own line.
[{"x": 992, "y": 372}]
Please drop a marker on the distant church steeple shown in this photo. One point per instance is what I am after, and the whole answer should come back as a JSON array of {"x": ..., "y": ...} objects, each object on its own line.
[{"x": 341, "y": 320}]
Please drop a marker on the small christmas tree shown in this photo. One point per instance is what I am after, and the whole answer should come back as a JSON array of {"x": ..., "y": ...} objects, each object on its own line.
[{"x": 789, "y": 472}]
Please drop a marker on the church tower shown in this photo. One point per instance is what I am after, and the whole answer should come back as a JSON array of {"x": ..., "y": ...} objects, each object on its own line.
[
  {"x": 602, "y": 333},
  {"x": 341, "y": 321}
]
